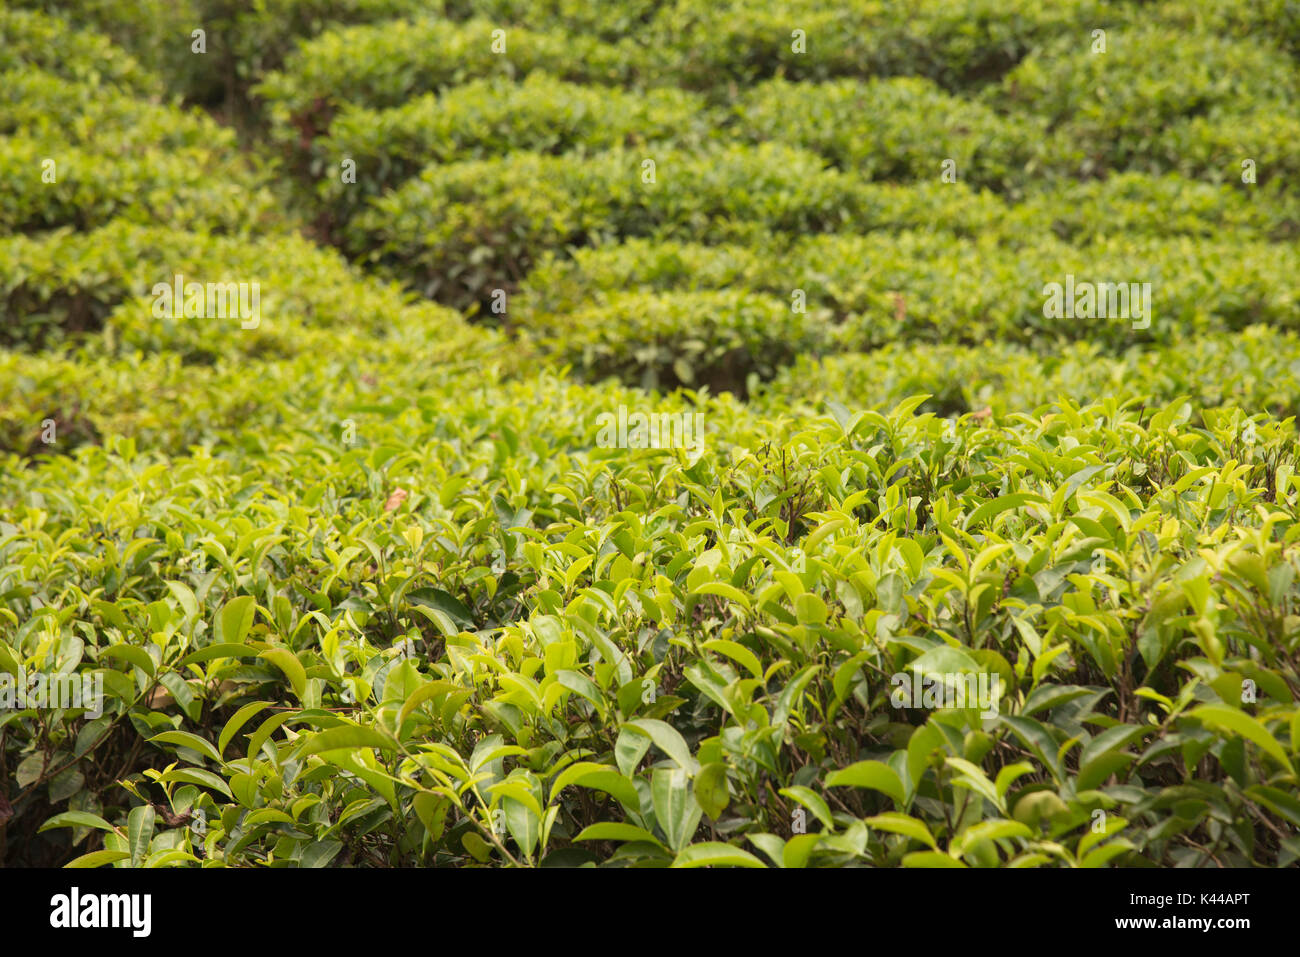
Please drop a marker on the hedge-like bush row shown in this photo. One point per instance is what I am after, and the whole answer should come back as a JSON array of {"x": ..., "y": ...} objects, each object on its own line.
[
  {"x": 896, "y": 129},
  {"x": 191, "y": 187},
  {"x": 1256, "y": 368},
  {"x": 51, "y": 108},
  {"x": 907, "y": 128},
  {"x": 1197, "y": 103},
  {"x": 247, "y": 41},
  {"x": 1269, "y": 22},
  {"x": 387, "y": 64},
  {"x": 561, "y": 282},
  {"x": 1140, "y": 204},
  {"x": 490, "y": 118},
  {"x": 163, "y": 402},
  {"x": 1128, "y": 88},
  {"x": 30, "y": 39},
  {"x": 720, "y": 338},
  {"x": 57, "y": 289},
  {"x": 52, "y": 405},
  {"x": 970, "y": 292},
  {"x": 456, "y": 232},
  {"x": 934, "y": 287},
  {"x": 608, "y": 20},
  {"x": 728, "y": 46},
  {"x": 1217, "y": 149},
  {"x": 78, "y": 154},
  {"x": 241, "y": 41}
]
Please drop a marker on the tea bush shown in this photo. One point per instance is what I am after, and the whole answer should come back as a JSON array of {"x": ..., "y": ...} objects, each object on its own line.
[
  {"x": 43, "y": 102},
  {"x": 384, "y": 65},
  {"x": 55, "y": 288},
  {"x": 795, "y": 580},
  {"x": 33, "y": 40},
  {"x": 165, "y": 401},
  {"x": 891, "y": 129},
  {"x": 1103, "y": 110},
  {"x": 190, "y": 187},
  {"x": 75, "y": 155},
  {"x": 1255, "y": 368},
  {"x": 754, "y": 509},
  {"x": 908, "y": 286},
  {"x": 716, "y": 338},
  {"x": 954, "y": 44},
  {"x": 608, "y": 21},
  {"x": 240, "y": 41},
  {"x": 459, "y": 230},
  {"x": 1140, "y": 204},
  {"x": 483, "y": 119}
]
